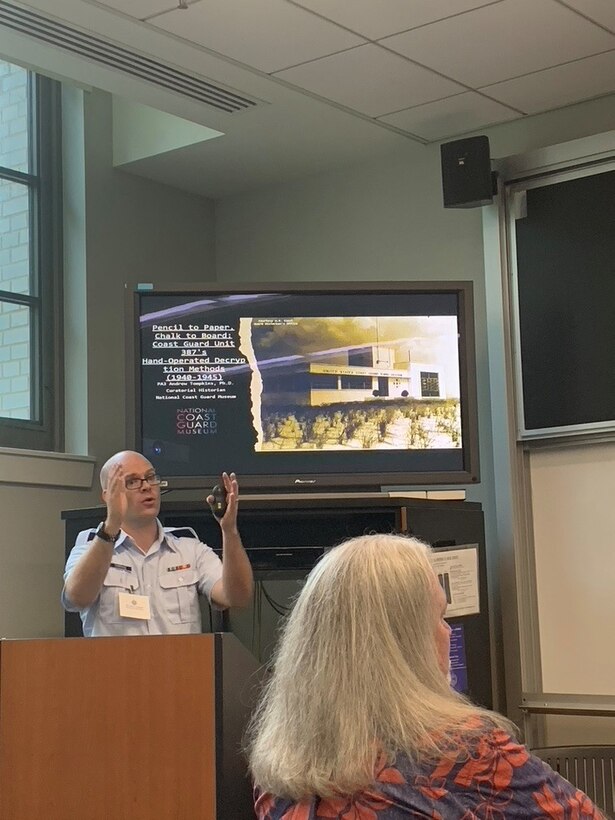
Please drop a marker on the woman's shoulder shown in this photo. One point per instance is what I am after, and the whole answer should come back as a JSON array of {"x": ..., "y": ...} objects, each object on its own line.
[
  {"x": 484, "y": 773},
  {"x": 493, "y": 769},
  {"x": 480, "y": 752}
]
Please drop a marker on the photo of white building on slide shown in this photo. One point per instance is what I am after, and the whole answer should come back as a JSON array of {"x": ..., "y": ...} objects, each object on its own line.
[
  {"x": 369, "y": 372},
  {"x": 348, "y": 383}
]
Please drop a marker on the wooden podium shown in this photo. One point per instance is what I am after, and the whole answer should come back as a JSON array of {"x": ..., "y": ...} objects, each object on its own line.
[{"x": 125, "y": 728}]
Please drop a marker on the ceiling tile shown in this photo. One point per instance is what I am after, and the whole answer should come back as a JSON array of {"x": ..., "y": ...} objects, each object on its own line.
[
  {"x": 370, "y": 80},
  {"x": 265, "y": 34},
  {"x": 140, "y": 9},
  {"x": 450, "y": 117},
  {"x": 602, "y": 11},
  {"x": 502, "y": 41},
  {"x": 375, "y": 20},
  {"x": 555, "y": 87}
]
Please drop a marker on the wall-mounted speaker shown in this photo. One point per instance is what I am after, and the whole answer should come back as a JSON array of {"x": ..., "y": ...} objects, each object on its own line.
[{"x": 467, "y": 181}]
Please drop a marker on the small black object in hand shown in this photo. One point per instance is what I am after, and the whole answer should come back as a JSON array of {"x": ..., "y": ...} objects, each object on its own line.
[{"x": 218, "y": 505}]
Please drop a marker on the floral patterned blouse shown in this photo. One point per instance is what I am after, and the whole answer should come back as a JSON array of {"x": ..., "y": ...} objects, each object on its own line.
[{"x": 497, "y": 781}]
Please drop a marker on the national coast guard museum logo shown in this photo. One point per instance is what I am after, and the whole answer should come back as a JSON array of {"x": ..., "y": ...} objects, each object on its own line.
[{"x": 196, "y": 421}]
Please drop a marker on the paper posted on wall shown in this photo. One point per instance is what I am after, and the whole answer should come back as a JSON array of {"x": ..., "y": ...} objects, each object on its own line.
[{"x": 457, "y": 570}]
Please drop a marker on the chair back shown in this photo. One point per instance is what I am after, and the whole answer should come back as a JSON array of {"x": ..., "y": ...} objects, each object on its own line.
[{"x": 589, "y": 768}]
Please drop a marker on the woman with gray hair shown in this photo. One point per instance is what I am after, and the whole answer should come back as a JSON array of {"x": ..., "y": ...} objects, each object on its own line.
[{"x": 358, "y": 720}]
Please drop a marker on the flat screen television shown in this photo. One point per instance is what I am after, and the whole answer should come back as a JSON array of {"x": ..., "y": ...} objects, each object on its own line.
[{"x": 326, "y": 387}]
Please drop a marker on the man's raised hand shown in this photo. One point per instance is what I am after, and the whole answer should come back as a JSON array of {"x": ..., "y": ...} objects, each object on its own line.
[{"x": 115, "y": 499}]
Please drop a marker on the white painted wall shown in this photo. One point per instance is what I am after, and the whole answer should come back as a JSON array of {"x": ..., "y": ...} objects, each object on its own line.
[
  {"x": 574, "y": 522},
  {"x": 572, "y": 491}
]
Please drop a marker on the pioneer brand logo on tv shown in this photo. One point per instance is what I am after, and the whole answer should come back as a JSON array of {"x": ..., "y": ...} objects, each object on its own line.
[{"x": 196, "y": 421}]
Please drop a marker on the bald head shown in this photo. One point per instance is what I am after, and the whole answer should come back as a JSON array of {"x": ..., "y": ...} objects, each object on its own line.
[{"x": 123, "y": 457}]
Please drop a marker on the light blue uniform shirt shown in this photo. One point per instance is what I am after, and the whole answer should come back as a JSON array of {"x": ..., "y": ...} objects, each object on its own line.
[{"x": 176, "y": 570}]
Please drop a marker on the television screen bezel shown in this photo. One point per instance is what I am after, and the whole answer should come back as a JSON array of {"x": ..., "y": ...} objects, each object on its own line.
[{"x": 340, "y": 482}]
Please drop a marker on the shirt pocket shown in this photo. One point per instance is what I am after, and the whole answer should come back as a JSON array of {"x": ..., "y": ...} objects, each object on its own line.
[
  {"x": 180, "y": 596},
  {"x": 116, "y": 580}
]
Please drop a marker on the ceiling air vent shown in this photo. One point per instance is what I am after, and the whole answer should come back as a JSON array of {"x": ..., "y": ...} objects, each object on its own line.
[{"x": 106, "y": 53}]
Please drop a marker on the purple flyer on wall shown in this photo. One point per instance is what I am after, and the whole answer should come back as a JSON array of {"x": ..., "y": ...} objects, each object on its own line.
[{"x": 459, "y": 669}]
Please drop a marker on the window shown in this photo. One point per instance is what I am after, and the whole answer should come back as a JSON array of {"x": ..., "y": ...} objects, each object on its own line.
[
  {"x": 430, "y": 385},
  {"x": 356, "y": 382},
  {"x": 30, "y": 254},
  {"x": 361, "y": 357},
  {"x": 322, "y": 381},
  {"x": 288, "y": 383}
]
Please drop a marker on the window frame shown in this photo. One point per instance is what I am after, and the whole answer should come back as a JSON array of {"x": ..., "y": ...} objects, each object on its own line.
[{"x": 44, "y": 430}]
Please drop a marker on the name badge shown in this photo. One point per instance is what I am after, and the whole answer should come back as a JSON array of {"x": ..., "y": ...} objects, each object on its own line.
[{"x": 134, "y": 606}]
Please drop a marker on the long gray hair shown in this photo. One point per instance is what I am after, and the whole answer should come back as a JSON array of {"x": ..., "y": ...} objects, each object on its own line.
[{"x": 356, "y": 675}]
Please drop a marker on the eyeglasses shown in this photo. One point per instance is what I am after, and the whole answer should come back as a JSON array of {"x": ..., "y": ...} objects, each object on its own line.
[{"x": 135, "y": 483}]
